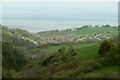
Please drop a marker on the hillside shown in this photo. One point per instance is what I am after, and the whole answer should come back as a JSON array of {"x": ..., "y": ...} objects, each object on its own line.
[
  {"x": 83, "y": 34},
  {"x": 89, "y": 31},
  {"x": 60, "y": 54},
  {"x": 82, "y": 62},
  {"x": 16, "y": 38}
]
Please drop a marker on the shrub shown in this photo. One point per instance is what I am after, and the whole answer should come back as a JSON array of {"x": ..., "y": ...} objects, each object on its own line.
[
  {"x": 112, "y": 75},
  {"x": 105, "y": 47},
  {"x": 45, "y": 62},
  {"x": 90, "y": 65},
  {"x": 6, "y": 73},
  {"x": 62, "y": 50},
  {"x": 73, "y": 73},
  {"x": 71, "y": 51},
  {"x": 113, "y": 56},
  {"x": 11, "y": 59},
  {"x": 43, "y": 73}
]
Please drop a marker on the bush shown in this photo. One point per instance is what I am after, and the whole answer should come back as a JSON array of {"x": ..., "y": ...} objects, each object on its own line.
[
  {"x": 90, "y": 65},
  {"x": 11, "y": 59},
  {"x": 62, "y": 50},
  {"x": 6, "y": 73},
  {"x": 43, "y": 73},
  {"x": 105, "y": 47},
  {"x": 71, "y": 51},
  {"x": 47, "y": 60},
  {"x": 113, "y": 56},
  {"x": 73, "y": 73}
]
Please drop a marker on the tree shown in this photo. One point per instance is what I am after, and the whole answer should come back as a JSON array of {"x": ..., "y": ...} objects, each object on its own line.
[
  {"x": 97, "y": 26},
  {"x": 11, "y": 59},
  {"x": 105, "y": 47},
  {"x": 113, "y": 56},
  {"x": 107, "y": 25}
]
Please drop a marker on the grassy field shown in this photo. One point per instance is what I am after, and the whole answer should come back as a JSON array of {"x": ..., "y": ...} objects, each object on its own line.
[
  {"x": 91, "y": 31},
  {"x": 55, "y": 48},
  {"x": 7, "y": 36},
  {"x": 88, "y": 52},
  {"x": 102, "y": 72}
]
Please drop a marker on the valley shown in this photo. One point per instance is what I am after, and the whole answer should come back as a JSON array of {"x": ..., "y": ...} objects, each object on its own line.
[{"x": 61, "y": 53}]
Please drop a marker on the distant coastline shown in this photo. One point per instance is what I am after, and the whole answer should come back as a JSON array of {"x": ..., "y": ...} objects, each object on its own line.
[{"x": 49, "y": 27}]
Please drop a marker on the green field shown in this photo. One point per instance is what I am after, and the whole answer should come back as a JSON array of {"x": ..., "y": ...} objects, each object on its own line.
[
  {"x": 103, "y": 72},
  {"x": 7, "y": 36},
  {"x": 96, "y": 30},
  {"x": 84, "y": 50},
  {"x": 55, "y": 48},
  {"x": 88, "y": 52}
]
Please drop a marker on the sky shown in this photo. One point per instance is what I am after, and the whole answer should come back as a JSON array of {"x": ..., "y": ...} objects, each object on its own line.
[
  {"x": 59, "y": 0},
  {"x": 49, "y": 15}
]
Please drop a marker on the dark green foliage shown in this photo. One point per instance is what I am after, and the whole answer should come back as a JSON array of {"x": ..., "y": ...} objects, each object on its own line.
[
  {"x": 6, "y": 73},
  {"x": 111, "y": 53},
  {"x": 113, "y": 56},
  {"x": 72, "y": 51},
  {"x": 91, "y": 65},
  {"x": 62, "y": 50},
  {"x": 11, "y": 58},
  {"x": 105, "y": 47},
  {"x": 107, "y": 25},
  {"x": 45, "y": 62},
  {"x": 97, "y": 26},
  {"x": 86, "y": 26},
  {"x": 42, "y": 73},
  {"x": 59, "y": 57},
  {"x": 10, "y": 74}
]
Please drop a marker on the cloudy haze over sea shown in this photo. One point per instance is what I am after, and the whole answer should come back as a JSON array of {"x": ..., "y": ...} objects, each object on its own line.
[{"x": 44, "y": 16}]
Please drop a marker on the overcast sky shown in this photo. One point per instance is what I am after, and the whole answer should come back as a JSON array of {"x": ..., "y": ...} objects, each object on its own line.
[
  {"x": 59, "y": 0},
  {"x": 36, "y": 13}
]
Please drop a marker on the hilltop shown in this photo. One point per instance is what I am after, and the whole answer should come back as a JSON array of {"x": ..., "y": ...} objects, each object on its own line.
[
  {"x": 82, "y": 34},
  {"x": 76, "y": 35}
]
